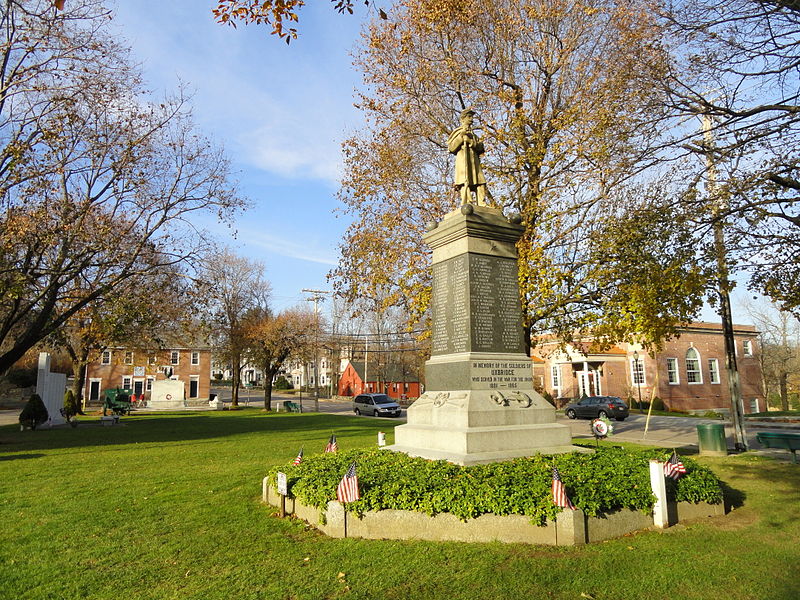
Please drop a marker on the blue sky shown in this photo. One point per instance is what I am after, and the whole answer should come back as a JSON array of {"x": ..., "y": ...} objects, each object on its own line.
[{"x": 281, "y": 113}]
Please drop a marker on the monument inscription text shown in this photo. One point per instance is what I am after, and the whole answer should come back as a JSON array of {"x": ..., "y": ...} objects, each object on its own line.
[{"x": 475, "y": 305}]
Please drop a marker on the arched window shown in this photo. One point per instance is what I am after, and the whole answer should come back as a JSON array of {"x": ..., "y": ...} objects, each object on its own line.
[{"x": 693, "y": 373}]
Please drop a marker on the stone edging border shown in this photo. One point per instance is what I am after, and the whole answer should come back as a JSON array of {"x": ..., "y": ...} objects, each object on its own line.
[{"x": 570, "y": 528}]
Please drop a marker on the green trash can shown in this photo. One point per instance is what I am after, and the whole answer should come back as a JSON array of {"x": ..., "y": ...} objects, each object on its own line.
[{"x": 711, "y": 439}]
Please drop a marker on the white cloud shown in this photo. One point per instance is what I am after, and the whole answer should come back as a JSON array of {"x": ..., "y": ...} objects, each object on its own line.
[
  {"x": 283, "y": 110},
  {"x": 304, "y": 250}
]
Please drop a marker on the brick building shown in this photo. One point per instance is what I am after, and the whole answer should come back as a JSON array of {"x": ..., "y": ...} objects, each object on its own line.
[
  {"x": 137, "y": 369},
  {"x": 389, "y": 379},
  {"x": 687, "y": 374}
]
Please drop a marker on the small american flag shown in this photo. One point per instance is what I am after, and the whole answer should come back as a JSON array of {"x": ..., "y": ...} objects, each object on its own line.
[
  {"x": 559, "y": 493},
  {"x": 299, "y": 458},
  {"x": 348, "y": 486},
  {"x": 332, "y": 445},
  {"x": 674, "y": 467}
]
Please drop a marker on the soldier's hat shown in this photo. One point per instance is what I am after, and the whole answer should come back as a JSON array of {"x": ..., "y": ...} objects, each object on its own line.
[{"x": 467, "y": 111}]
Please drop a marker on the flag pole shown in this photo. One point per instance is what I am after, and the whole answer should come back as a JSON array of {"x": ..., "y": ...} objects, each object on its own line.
[{"x": 345, "y": 520}]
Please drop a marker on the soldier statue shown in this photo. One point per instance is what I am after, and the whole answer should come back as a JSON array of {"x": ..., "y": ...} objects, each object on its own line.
[{"x": 468, "y": 147}]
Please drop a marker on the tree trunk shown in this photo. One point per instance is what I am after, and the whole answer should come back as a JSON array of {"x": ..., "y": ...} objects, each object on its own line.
[
  {"x": 784, "y": 391},
  {"x": 268, "y": 393},
  {"x": 79, "y": 382},
  {"x": 235, "y": 382}
]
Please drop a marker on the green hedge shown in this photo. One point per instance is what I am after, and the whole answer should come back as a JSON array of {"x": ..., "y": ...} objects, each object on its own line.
[{"x": 598, "y": 482}]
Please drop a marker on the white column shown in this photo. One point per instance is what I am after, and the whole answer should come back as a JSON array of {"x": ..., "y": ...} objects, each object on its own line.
[{"x": 659, "y": 486}]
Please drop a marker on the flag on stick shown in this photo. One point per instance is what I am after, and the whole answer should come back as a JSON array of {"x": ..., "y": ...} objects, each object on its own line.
[
  {"x": 332, "y": 445},
  {"x": 674, "y": 467},
  {"x": 299, "y": 458},
  {"x": 559, "y": 493},
  {"x": 348, "y": 486}
]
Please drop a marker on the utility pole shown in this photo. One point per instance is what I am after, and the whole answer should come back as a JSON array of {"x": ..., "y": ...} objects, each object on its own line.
[
  {"x": 318, "y": 295},
  {"x": 718, "y": 207}
]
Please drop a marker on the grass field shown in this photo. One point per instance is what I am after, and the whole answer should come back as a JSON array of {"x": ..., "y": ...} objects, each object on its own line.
[{"x": 168, "y": 506}]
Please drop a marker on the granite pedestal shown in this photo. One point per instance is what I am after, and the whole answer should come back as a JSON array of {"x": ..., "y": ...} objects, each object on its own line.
[{"x": 480, "y": 405}]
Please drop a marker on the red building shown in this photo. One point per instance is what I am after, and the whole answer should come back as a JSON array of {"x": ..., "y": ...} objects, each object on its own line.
[
  {"x": 688, "y": 374},
  {"x": 358, "y": 378}
]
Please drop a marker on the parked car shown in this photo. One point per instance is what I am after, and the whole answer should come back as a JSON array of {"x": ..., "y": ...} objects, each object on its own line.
[
  {"x": 378, "y": 405},
  {"x": 593, "y": 407}
]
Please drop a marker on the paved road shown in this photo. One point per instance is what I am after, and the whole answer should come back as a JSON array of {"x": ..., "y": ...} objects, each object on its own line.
[{"x": 662, "y": 431}]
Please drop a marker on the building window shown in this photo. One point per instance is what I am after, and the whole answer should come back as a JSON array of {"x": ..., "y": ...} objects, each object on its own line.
[
  {"x": 174, "y": 357},
  {"x": 747, "y": 346},
  {"x": 693, "y": 373},
  {"x": 556, "y": 377},
  {"x": 637, "y": 371},
  {"x": 672, "y": 371},
  {"x": 126, "y": 383},
  {"x": 152, "y": 359},
  {"x": 149, "y": 385},
  {"x": 713, "y": 370},
  {"x": 195, "y": 358},
  {"x": 129, "y": 358},
  {"x": 105, "y": 358}
]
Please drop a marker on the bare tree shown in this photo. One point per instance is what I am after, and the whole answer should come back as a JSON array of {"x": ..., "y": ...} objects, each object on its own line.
[
  {"x": 235, "y": 287},
  {"x": 98, "y": 185},
  {"x": 780, "y": 350}
]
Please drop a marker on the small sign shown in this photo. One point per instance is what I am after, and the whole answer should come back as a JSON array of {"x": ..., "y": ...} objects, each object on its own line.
[
  {"x": 381, "y": 438},
  {"x": 282, "y": 490},
  {"x": 138, "y": 371}
]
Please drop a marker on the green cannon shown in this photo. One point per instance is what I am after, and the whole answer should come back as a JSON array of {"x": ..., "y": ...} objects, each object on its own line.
[{"x": 118, "y": 401}]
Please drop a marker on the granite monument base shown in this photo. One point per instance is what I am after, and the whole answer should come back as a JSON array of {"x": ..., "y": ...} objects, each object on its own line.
[{"x": 501, "y": 417}]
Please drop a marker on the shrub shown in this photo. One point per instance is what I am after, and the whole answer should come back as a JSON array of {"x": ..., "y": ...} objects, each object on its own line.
[
  {"x": 218, "y": 376},
  {"x": 281, "y": 383},
  {"x": 22, "y": 378},
  {"x": 70, "y": 406},
  {"x": 597, "y": 482},
  {"x": 34, "y": 412},
  {"x": 658, "y": 404}
]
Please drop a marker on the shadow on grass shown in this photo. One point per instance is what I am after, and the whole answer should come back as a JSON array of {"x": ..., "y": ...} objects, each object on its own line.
[
  {"x": 732, "y": 497},
  {"x": 182, "y": 427},
  {"x": 20, "y": 456}
]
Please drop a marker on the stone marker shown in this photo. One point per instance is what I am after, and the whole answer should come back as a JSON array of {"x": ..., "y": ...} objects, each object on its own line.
[
  {"x": 51, "y": 388},
  {"x": 167, "y": 393},
  {"x": 479, "y": 405}
]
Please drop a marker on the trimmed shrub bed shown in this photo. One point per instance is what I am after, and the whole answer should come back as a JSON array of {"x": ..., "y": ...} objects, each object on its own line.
[{"x": 599, "y": 483}]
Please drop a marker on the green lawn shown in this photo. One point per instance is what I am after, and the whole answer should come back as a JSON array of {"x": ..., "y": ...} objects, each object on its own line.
[{"x": 168, "y": 506}]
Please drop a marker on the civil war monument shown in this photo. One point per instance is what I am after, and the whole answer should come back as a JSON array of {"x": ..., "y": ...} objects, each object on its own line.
[{"x": 479, "y": 405}]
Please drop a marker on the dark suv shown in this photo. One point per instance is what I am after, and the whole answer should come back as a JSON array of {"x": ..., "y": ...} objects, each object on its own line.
[
  {"x": 379, "y": 405},
  {"x": 593, "y": 407}
]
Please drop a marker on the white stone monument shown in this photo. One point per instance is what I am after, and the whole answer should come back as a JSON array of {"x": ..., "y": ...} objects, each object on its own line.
[
  {"x": 167, "y": 393},
  {"x": 51, "y": 388}
]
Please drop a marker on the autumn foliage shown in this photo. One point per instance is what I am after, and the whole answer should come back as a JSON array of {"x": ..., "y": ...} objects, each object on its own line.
[{"x": 565, "y": 104}]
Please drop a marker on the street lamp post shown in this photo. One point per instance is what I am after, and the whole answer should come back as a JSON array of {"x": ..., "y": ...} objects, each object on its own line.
[{"x": 638, "y": 381}]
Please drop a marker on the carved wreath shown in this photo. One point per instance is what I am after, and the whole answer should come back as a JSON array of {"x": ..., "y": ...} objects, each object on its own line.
[{"x": 522, "y": 398}]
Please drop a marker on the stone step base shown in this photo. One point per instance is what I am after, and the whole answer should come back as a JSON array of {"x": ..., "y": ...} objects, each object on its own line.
[
  {"x": 474, "y": 445},
  {"x": 482, "y": 457}
]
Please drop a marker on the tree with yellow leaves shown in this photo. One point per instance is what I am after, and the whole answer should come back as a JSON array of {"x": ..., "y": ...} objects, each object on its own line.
[{"x": 563, "y": 98}]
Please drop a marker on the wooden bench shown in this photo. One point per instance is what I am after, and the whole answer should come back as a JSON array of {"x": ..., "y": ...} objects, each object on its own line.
[{"x": 780, "y": 439}]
